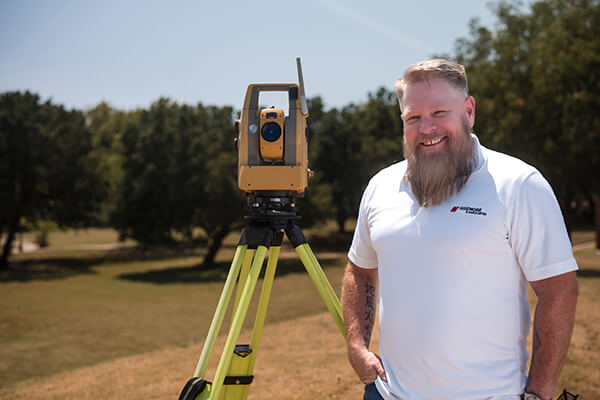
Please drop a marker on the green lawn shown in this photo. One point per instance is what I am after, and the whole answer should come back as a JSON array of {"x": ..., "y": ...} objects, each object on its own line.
[
  {"x": 578, "y": 237},
  {"x": 70, "y": 310}
]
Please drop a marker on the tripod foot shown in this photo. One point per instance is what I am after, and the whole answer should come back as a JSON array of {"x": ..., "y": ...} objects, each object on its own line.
[{"x": 193, "y": 388}]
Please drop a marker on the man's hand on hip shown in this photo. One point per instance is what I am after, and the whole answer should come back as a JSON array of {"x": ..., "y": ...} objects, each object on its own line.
[{"x": 367, "y": 365}]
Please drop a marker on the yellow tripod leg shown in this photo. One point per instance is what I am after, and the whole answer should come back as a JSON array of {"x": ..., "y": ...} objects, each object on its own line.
[
  {"x": 217, "y": 320},
  {"x": 247, "y": 262},
  {"x": 263, "y": 304},
  {"x": 323, "y": 286},
  {"x": 329, "y": 290},
  {"x": 236, "y": 325},
  {"x": 242, "y": 366}
]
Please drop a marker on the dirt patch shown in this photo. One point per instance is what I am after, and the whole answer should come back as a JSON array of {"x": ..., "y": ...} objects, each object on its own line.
[{"x": 300, "y": 359}]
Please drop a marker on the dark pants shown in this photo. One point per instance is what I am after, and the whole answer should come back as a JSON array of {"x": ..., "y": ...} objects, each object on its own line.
[{"x": 371, "y": 392}]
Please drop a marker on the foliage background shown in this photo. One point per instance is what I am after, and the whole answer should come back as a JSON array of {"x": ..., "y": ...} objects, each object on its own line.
[{"x": 167, "y": 175}]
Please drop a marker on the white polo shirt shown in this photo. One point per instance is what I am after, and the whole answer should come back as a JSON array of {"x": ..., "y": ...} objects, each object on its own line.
[{"x": 453, "y": 308}]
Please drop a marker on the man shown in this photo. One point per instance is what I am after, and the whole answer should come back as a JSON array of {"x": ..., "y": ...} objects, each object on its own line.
[{"x": 447, "y": 241}]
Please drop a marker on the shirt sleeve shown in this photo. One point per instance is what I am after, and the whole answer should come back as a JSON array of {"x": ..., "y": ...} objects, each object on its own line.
[
  {"x": 361, "y": 251},
  {"x": 537, "y": 230}
]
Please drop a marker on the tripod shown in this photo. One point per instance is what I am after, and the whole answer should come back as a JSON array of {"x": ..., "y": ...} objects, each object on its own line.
[{"x": 270, "y": 220}]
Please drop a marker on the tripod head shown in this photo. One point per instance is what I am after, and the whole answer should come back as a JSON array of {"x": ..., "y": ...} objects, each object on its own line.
[
  {"x": 273, "y": 208},
  {"x": 272, "y": 216}
]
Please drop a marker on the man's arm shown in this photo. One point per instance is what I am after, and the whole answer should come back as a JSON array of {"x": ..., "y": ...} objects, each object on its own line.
[
  {"x": 552, "y": 328},
  {"x": 359, "y": 300}
]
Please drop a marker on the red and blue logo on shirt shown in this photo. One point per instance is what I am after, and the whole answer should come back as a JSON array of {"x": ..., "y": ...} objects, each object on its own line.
[{"x": 468, "y": 210}]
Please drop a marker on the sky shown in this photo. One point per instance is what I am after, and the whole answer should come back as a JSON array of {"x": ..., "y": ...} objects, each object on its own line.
[{"x": 130, "y": 53}]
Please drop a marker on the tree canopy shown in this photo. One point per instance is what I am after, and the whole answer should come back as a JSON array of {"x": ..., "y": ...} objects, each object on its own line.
[
  {"x": 352, "y": 144},
  {"x": 179, "y": 174},
  {"x": 536, "y": 79},
  {"x": 168, "y": 174},
  {"x": 48, "y": 170}
]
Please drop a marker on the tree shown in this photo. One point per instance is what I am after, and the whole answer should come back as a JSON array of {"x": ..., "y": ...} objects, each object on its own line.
[
  {"x": 335, "y": 157},
  {"x": 222, "y": 205},
  {"x": 316, "y": 205},
  {"x": 107, "y": 126},
  {"x": 380, "y": 120},
  {"x": 144, "y": 210},
  {"x": 351, "y": 145},
  {"x": 536, "y": 78},
  {"x": 47, "y": 167},
  {"x": 179, "y": 173}
]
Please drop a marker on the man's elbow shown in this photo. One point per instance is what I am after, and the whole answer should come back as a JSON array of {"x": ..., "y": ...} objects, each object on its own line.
[
  {"x": 565, "y": 298},
  {"x": 571, "y": 288}
]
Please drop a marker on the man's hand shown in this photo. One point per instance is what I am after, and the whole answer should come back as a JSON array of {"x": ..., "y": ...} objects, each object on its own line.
[{"x": 368, "y": 365}]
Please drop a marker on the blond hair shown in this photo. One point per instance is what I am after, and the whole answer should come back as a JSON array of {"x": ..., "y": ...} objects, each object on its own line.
[{"x": 451, "y": 72}]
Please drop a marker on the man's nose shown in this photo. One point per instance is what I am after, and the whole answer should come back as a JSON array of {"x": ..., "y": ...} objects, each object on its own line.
[{"x": 426, "y": 125}]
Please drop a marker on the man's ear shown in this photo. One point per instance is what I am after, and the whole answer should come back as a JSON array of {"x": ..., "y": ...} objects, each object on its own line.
[{"x": 470, "y": 110}]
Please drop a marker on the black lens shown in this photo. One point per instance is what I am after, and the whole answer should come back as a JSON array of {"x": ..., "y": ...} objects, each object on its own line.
[{"x": 270, "y": 131}]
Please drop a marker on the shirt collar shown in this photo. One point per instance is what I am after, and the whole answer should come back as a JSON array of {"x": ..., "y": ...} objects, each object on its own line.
[{"x": 481, "y": 156}]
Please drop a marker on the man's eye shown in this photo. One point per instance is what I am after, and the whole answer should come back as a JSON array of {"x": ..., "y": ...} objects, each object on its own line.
[
  {"x": 412, "y": 118},
  {"x": 439, "y": 113}
]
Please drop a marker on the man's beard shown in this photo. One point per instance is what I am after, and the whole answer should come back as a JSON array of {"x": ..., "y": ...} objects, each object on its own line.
[{"x": 436, "y": 176}]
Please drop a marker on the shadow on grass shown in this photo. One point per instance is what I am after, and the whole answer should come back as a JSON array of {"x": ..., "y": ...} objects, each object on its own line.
[
  {"x": 588, "y": 273},
  {"x": 50, "y": 267},
  {"x": 334, "y": 241},
  {"x": 216, "y": 273},
  {"x": 46, "y": 269}
]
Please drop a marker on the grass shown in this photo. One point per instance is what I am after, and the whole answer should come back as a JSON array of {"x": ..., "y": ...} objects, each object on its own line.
[
  {"x": 91, "y": 323},
  {"x": 88, "y": 310},
  {"x": 581, "y": 373},
  {"x": 578, "y": 237},
  {"x": 88, "y": 237}
]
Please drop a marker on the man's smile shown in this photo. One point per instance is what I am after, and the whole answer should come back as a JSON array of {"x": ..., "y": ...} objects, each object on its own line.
[{"x": 433, "y": 142}]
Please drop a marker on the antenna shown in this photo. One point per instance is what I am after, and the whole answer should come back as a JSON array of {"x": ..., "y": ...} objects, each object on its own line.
[{"x": 301, "y": 82}]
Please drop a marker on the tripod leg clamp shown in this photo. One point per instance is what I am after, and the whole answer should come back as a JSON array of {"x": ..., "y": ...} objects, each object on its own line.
[
  {"x": 193, "y": 388},
  {"x": 238, "y": 380},
  {"x": 295, "y": 235},
  {"x": 256, "y": 235}
]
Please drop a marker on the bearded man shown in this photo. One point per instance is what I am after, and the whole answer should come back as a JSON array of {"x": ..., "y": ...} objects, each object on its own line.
[{"x": 446, "y": 243}]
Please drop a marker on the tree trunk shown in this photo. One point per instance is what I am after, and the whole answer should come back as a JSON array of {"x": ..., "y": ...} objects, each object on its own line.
[
  {"x": 340, "y": 217},
  {"x": 215, "y": 243},
  {"x": 596, "y": 198},
  {"x": 564, "y": 204},
  {"x": 341, "y": 222},
  {"x": 7, "y": 248}
]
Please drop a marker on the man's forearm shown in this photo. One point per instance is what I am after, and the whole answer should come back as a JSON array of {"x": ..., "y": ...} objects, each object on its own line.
[
  {"x": 552, "y": 328},
  {"x": 359, "y": 297}
]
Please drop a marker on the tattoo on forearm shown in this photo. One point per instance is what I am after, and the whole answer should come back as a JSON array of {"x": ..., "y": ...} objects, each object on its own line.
[{"x": 369, "y": 318}]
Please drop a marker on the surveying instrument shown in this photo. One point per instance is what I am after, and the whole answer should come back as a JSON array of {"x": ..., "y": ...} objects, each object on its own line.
[{"x": 273, "y": 171}]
